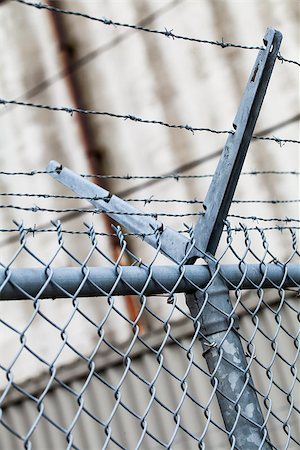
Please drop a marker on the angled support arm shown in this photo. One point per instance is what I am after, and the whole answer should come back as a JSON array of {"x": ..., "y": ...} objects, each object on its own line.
[{"x": 172, "y": 244}]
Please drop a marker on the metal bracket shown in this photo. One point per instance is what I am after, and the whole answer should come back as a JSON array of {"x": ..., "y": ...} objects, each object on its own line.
[{"x": 172, "y": 244}]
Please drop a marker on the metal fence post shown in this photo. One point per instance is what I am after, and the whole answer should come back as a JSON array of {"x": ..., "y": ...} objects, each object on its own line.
[{"x": 222, "y": 346}]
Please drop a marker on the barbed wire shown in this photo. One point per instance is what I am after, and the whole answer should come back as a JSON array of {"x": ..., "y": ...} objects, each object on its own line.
[
  {"x": 272, "y": 201},
  {"x": 145, "y": 201},
  {"x": 71, "y": 110},
  {"x": 175, "y": 176},
  {"x": 166, "y": 33},
  {"x": 28, "y": 173},
  {"x": 178, "y": 176},
  {"x": 279, "y": 141},
  {"x": 264, "y": 219},
  {"x": 155, "y": 214},
  {"x": 37, "y": 208},
  {"x": 274, "y": 228},
  {"x": 35, "y": 229}
]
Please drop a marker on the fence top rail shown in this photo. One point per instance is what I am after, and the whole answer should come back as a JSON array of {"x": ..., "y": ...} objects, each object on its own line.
[{"x": 32, "y": 283}]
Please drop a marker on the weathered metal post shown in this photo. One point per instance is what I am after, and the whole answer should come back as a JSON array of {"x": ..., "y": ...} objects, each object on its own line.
[{"x": 222, "y": 346}]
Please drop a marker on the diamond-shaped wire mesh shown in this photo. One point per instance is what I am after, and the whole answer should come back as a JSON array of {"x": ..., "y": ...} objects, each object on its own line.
[{"x": 129, "y": 371}]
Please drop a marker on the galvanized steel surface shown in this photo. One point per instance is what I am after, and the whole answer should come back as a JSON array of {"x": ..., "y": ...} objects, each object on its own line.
[{"x": 30, "y": 281}]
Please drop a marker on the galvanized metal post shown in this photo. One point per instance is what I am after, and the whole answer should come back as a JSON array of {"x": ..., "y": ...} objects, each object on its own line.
[
  {"x": 222, "y": 346},
  {"x": 223, "y": 349}
]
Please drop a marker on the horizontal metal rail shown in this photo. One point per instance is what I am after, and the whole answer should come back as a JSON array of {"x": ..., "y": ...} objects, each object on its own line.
[{"x": 21, "y": 284}]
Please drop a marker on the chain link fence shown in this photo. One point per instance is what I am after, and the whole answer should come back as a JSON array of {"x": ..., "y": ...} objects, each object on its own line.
[{"x": 140, "y": 380}]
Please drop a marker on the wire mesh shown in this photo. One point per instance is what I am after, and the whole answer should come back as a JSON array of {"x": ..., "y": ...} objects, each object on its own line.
[{"x": 129, "y": 372}]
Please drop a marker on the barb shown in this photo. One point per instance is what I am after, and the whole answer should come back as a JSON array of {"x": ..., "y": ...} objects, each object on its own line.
[
  {"x": 166, "y": 33},
  {"x": 70, "y": 110}
]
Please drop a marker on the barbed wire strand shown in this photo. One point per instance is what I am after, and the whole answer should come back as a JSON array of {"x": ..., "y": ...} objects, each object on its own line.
[
  {"x": 145, "y": 201},
  {"x": 71, "y": 111},
  {"x": 166, "y": 33},
  {"x": 35, "y": 229},
  {"x": 155, "y": 214},
  {"x": 37, "y": 208},
  {"x": 175, "y": 176}
]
